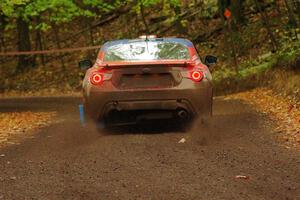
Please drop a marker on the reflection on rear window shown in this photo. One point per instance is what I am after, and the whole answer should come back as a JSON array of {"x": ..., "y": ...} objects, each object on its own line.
[{"x": 150, "y": 50}]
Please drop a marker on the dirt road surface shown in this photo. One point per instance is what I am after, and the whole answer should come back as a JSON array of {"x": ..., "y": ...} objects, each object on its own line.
[{"x": 67, "y": 161}]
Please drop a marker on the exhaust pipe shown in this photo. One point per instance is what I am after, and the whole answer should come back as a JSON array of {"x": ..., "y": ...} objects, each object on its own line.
[{"x": 182, "y": 114}]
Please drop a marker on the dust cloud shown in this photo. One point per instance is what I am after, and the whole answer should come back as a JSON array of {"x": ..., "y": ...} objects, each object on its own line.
[{"x": 204, "y": 131}]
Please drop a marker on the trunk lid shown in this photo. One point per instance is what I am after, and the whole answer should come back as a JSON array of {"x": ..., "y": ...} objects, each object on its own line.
[{"x": 146, "y": 75}]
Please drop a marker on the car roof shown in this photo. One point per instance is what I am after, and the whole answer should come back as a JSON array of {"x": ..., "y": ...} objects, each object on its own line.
[{"x": 182, "y": 41}]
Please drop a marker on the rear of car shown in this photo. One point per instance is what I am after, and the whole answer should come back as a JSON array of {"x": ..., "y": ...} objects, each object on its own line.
[{"x": 147, "y": 79}]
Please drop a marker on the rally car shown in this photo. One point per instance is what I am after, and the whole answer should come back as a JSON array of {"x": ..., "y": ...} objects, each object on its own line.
[{"x": 147, "y": 79}]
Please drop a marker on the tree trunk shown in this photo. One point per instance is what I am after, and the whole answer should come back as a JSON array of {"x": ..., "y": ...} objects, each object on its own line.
[
  {"x": 233, "y": 46},
  {"x": 39, "y": 43},
  {"x": 298, "y": 8},
  {"x": 136, "y": 23},
  {"x": 179, "y": 27},
  {"x": 2, "y": 44},
  {"x": 277, "y": 7},
  {"x": 2, "y": 27},
  {"x": 266, "y": 23},
  {"x": 24, "y": 61},
  {"x": 227, "y": 27},
  {"x": 57, "y": 41},
  {"x": 237, "y": 7},
  {"x": 221, "y": 11},
  {"x": 143, "y": 18},
  {"x": 91, "y": 37},
  {"x": 292, "y": 19}
]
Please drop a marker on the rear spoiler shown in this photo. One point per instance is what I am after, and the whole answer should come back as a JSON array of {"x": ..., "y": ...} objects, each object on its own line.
[{"x": 178, "y": 63}]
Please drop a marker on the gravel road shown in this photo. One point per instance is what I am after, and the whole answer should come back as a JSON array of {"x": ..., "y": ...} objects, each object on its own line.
[{"x": 67, "y": 161}]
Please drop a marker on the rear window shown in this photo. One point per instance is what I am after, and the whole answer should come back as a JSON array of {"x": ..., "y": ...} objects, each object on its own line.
[{"x": 147, "y": 50}]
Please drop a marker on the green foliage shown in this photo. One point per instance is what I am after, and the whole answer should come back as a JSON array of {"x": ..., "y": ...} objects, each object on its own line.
[
  {"x": 100, "y": 4},
  {"x": 7, "y": 6},
  {"x": 150, "y": 3},
  {"x": 144, "y": 3},
  {"x": 210, "y": 8},
  {"x": 43, "y": 26},
  {"x": 65, "y": 11},
  {"x": 57, "y": 11}
]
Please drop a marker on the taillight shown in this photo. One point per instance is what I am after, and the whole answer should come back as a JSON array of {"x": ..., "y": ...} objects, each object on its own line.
[
  {"x": 96, "y": 78},
  {"x": 197, "y": 76}
]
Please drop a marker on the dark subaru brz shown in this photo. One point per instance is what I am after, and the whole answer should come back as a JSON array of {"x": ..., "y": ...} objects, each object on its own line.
[{"x": 147, "y": 79}]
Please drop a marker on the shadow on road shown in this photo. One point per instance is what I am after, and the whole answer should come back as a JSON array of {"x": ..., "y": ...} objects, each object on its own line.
[{"x": 145, "y": 128}]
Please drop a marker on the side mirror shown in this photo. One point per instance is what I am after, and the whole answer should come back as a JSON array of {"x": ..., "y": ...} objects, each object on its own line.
[
  {"x": 210, "y": 60},
  {"x": 85, "y": 64}
]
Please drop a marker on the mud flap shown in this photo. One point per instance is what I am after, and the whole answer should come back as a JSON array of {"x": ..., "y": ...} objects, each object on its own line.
[{"x": 81, "y": 115}]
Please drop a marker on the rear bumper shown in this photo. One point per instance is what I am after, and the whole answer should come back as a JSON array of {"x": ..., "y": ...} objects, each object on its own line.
[{"x": 195, "y": 98}]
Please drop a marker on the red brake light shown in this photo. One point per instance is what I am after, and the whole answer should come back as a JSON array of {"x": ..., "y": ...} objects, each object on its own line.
[
  {"x": 197, "y": 75},
  {"x": 96, "y": 78}
]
